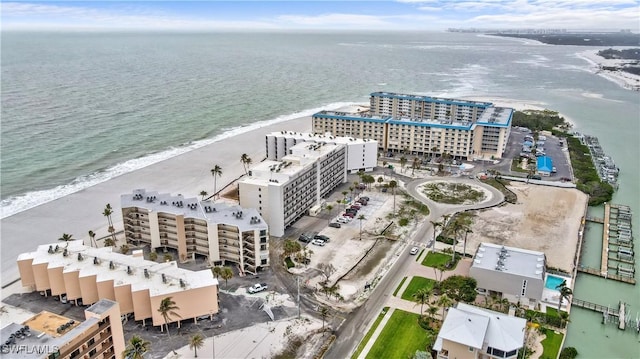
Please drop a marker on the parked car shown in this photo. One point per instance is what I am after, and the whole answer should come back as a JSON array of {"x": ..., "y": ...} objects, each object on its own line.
[
  {"x": 318, "y": 242},
  {"x": 554, "y": 170},
  {"x": 348, "y": 214},
  {"x": 258, "y": 287},
  {"x": 344, "y": 220},
  {"x": 384, "y": 189},
  {"x": 413, "y": 250},
  {"x": 304, "y": 238},
  {"x": 351, "y": 210},
  {"x": 362, "y": 186},
  {"x": 335, "y": 225},
  {"x": 365, "y": 198},
  {"x": 322, "y": 237},
  {"x": 355, "y": 206}
]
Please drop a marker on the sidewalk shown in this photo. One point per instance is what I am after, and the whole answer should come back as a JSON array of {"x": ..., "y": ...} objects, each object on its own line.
[{"x": 374, "y": 337}]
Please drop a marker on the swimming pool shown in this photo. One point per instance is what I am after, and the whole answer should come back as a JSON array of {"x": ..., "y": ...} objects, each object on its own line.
[{"x": 552, "y": 282}]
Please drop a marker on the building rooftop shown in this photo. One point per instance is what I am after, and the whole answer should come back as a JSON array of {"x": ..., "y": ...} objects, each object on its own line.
[
  {"x": 510, "y": 260},
  {"x": 159, "y": 278},
  {"x": 243, "y": 218},
  {"x": 432, "y": 99},
  {"x": 360, "y": 116},
  {"x": 545, "y": 163},
  {"x": 477, "y": 328},
  {"x": 496, "y": 116},
  {"x": 327, "y": 138}
]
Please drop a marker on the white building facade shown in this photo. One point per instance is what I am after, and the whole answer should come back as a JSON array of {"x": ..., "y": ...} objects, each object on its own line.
[
  {"x": 283, "y": 191},
  {"x": 218, "y": 231},
  {"x": 518, "y": 274},
  {"x": 361, "y": 155},
  {"x": 424, "y": 125}
]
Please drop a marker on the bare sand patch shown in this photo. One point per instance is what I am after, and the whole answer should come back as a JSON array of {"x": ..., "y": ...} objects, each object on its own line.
[{"x": 545, "y": 219}]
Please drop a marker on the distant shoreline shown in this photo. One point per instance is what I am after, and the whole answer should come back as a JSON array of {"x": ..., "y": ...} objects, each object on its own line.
[
  {"x": 580, "y": 39},
  {"x": 604, "y": 68}
]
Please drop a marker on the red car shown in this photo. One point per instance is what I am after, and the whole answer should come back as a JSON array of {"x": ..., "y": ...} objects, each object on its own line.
[
  {"x": 355, "y": 206},
  {"x": 349, "y": 214}
]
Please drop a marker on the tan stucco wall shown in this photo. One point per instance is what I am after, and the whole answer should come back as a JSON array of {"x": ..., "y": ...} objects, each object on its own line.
[
  {"x": 88, "y": 289},
  {"x": 26, "y": 273},
  {"x": 41, "y": 276},
  {"x": 192, "y": 303},
  {"x": 458, "y": 351},
  {"x": 56, "y": 280},
  {"x": 106, "y": 290},
  {"x": 117, "y": 333},
  {"x": 141, "y": 304},
  {"x": 182, "y": 238},
  {"x": 72, "y": 284},
  {"x": 124, "y": 299}
]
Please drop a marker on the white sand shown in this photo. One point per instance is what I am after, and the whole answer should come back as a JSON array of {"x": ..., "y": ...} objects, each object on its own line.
[
  {"x": 187, "y": 174},
  {"x": 623, "y": 79}
]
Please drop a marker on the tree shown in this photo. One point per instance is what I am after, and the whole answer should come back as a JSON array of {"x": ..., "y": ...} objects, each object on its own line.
[
  {"x": 226, "y": 274},
  {"x": 167, "y": 257},
  {"x": 246, "y": 161},
  {"x": 368, "y": 180},
  {"x": 124, "y": 249},
  {"x": 92, "y": 239},
  {"x": 432, "y": 310},
  {"x": 393, "y": 185},
  {"x": 136, "y": 348},
  {"x": 415, "y": 165},
  {"x": 109, "y": 242},
  {"x": 216, "y": 271},
  {"x": 568, "y": 353},
  {"x": 565, "y": 293},
  {"x": 422, "y": 355},
  {"x": 403, "y": 162},
  {"x": 329, "y": 208},
  {"x": 204, "y": 194},
  {"x": 153, "y": 256},
  {"x": 168, "y": 310},
  {"x": 66, "y": 237},
  {"x": 564, "y": 319},
  {"x": 324, "y": 313},
  {"x": 327, "y": 269},
  {"x": 216, "y": 172},
  {"x": 421, "y": 296},
  {"x": 361, "y": 217},
  {"x": 107, "y": 212},
  {"x": 196, "y": 342},
  {"x": 351, "y": 191},
  {"x": 460, "y": 288},
  {"x": 445, "y": 302},
  {"x": 290, "y": 247},
  {"x": 380, "y": 179},
  {"x": 344, "y": 195},
  {"x": 435, "y": 225}
]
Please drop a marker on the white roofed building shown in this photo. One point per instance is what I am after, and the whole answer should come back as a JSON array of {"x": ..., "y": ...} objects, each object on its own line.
[
  {"x": 361, "y": 154},
  {"x": 518, "y": 274},
  {"x": 283, "y": 191},
  {"x": 218, "y": 231},
  {"x": 476, "y": 333}
]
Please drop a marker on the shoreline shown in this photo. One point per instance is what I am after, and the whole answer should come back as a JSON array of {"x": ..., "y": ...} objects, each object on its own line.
[{"x": 623, "y": 79}]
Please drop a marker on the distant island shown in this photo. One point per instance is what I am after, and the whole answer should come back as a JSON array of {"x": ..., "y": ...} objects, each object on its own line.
[
  {"x": 581, "y": 39},
  {"x": 629, "y": 60}
]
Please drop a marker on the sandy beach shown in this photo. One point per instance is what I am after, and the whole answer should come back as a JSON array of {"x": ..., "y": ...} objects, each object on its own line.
[
  {"x": 623, "y": 79},
  {"x": 77, "y": 213}
]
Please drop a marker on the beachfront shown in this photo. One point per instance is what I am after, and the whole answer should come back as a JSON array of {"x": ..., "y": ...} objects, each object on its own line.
[{"x": 622, "y": 78}]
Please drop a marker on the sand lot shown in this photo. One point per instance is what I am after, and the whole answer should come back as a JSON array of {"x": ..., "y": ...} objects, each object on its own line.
[{"x": 545, "y": 219}]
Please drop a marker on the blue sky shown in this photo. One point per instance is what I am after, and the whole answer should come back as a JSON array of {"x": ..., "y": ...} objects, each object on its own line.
[{"x": 321, "y": 15}]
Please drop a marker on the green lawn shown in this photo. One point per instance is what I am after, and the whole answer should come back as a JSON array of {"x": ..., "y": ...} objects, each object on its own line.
[
  {"x": 370, "y": 333},
  {"x": 418, "y": 256},
  {"x": 551, "y": 344},
  {"x": 400, "y": 338},
  {"x": 399, "y": 285},
  {"x": 434, "y": 259},
  {"x": 415, "y": 284}
]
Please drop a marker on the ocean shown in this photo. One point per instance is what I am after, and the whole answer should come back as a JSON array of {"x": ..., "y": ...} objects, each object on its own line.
[{"x": 81, "y": 108}]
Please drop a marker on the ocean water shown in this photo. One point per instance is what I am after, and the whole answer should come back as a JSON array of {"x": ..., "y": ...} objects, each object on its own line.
[{"x": 80, "y": 108}]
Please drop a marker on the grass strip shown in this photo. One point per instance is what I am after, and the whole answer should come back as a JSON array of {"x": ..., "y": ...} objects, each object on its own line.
[
  {"x": 415, "y": 284},
  {"x": 369, "y": 333},
  {"x": 551, "y": 344},
  {"x": 400, "y": 338},
  {"x": 399, "y": 286}
]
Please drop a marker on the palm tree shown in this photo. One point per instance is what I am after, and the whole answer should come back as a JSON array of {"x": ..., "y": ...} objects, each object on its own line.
[
  {"x": 464, "y": 247},
  {"x": 217, "y": 271},
  {"x": 415, "y": 165},
  {"x": 136, "y": 348},
  {"x": 204, "y": 194},
  {"x": 351, "y": 191},
  {"x": 167, "y": 310},
  {"x": 361, "y": 217},
  {"x": 66, "y": 237},
  {"x": 393, "y": 185},
  {"x": 324, "y": 313},
  {"x": 432, "y": 310},
  {"x": 445, "y": 302},
  {"x": 564, "y": 319},
  {"x": 329, "y": 208},
  {"x": 226, "y": 274},
  {"x": 421, "y": 296},
  {"x": 344, "y": 201},
  {"x": 92, "y": 239},
  {"x": 435, "y": 225},
  {"x": 565, "y": 293},
  {"x": 380, "y": 179},
  {"x": 403, "y": 162},
  {"x": 246, "y": 161},
  {"x": 216, "y": 172},
  {"x": 196, "y": 342},
  {"x": 108, "y": 211}
]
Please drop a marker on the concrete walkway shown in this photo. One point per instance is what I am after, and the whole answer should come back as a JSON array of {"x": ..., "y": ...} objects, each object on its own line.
[{"x": 374, "y": 337}]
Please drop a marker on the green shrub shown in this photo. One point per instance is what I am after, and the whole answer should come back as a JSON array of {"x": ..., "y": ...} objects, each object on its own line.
[
  {"x": 568, "y": 353},
  {"x": 403, "y": 222},
  {"x": 289, "y": 263}
]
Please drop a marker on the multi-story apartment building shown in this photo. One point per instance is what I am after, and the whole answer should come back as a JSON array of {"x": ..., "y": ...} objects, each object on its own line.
[
  {"x": 361, "y": 155},
  {"x": 51, "y": 336},
  {"x": 424, "y": 125},
  {"x": 518, "y": 274},
  {"x": 469, "y": 332},
  {"x": 283, "y": 191},
  {"x": 218, "y": 231},
  {"x": 86, "y": 274}
]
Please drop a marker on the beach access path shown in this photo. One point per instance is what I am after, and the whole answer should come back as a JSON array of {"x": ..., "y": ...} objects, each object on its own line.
[{"x": 187, "y": 174}]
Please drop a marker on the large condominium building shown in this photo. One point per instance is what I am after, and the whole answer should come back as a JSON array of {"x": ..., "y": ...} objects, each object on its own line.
[
  {"x": 217, "y": 231},
  {"x": 285, "y": 190},
  {"x": 361, "y": 155},
  {"x": 51, "y": 336},
  {"x": 424, "y": 125},
  {"x": 89, "y": 274},
  {"x": 518, "y": 274}
]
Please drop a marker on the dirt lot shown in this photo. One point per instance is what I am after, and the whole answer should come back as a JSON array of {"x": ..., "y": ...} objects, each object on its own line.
[{"x": 546, "y": 219}]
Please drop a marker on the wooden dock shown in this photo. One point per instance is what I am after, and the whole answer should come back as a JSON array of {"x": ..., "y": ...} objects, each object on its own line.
[
  {"x": 606, "y": 275},
  {"x": 595, "y": 219},
  {"x": 604, "y": 262},
  {"x": 606, "y": 311}
]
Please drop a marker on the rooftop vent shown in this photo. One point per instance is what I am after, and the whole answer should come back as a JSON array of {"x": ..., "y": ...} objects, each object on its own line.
[
  {"x": 146, "y": 273},
  {"x": 182, "y": 284},
  {"x": 112, "y": 265},
  {"x": 50, "y": 250},
  {"x": 65, "y": 253},
  {"x": 164, "y": 278},
  {"x": 80, "y": 256},
  {"x": 96, "y": 261},
  {"x": 129, "y": 271}
]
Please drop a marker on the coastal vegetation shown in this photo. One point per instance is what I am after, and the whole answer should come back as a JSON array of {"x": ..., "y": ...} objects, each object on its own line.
[
  {"x": 581, "y": 39},
  {"x": 196, "y": 342},
  {"x": 500, "y": 184},
  {"x": 453, "y": 193},
  {"x": 623, "y": 54},
  {"x": 136, "y": 348},
  {"x": 534, "y": 120}
]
